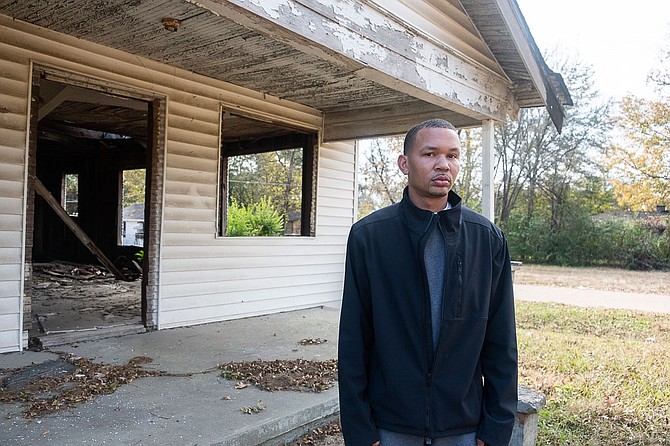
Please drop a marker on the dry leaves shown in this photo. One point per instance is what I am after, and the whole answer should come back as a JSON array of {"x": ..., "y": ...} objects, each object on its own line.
[
  {"x": 320, "y": 435},
  {"x": 254, "y": 409},
  {"x": 50, "y": 394},
  {"x": 297, "y": 374},
  {"x": 317, "y": 341}
]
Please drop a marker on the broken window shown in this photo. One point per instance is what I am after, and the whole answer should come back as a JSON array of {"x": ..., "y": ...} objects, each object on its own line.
[
  {"x": 267, "y": 177},
  {"x": 70, "y": 195}
]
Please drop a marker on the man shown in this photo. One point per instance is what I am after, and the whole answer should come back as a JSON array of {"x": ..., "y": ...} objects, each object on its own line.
[{"x": 427, "y": 344}]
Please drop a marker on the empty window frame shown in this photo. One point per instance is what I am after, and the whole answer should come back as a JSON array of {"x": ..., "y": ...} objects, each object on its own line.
[
  {"x": 268, "y": 177},
  {"x": 70, "y": 194}
]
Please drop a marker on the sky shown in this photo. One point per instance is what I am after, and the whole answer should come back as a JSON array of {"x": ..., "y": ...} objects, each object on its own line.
[{"x": 621, "y": 40}]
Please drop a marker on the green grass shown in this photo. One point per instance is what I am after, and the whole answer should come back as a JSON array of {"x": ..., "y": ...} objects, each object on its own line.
[{"x": 606, "y": 374}]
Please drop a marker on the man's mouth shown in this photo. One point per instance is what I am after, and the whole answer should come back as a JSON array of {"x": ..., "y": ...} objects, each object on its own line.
[{"x": 441, "y": 181}]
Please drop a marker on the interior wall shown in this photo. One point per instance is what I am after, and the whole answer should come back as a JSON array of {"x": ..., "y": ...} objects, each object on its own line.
[{"x": 98, "y": 169}]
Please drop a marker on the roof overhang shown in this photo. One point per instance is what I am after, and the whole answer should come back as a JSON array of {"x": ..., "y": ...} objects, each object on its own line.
[
  {"x": 504, "y": 28},
  {"x": 371, "y": 70}
]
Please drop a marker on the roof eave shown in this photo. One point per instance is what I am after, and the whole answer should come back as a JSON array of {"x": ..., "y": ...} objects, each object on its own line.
[{"x": 548, "y": 87}]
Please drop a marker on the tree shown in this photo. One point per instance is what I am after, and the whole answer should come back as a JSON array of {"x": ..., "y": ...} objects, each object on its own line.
[
  {"x": 469, "y": 184},
  {"x": 642, "y": 165},
  {"x": 380, "y": 181},
  {"x": 535, "y": 160},
  {"x": 134, "y": 183}
]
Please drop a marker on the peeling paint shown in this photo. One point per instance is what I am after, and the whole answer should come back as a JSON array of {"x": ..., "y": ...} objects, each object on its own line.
[
  {"x": 356, "y": 46},
  {"x": 439, "y": 85},
  {"x": 273, "y": 8}
]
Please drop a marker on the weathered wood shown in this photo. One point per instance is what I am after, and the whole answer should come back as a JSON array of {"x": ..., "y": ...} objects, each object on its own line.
[{"x": 75, "y": 228}]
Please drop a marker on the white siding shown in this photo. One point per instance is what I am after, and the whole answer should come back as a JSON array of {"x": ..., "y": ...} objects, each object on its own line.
[
  {"x": 14, "y": 91},
  {"x": 203, "y": 278}
]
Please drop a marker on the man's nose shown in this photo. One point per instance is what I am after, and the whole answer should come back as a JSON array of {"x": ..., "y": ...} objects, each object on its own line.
[{"x": 441, "y": 162}]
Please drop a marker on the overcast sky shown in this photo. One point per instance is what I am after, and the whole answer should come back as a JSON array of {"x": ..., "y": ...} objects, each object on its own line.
[{"x": 621, "y": 40}]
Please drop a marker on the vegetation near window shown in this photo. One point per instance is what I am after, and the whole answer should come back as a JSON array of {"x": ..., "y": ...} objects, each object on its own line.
[
  {"x": 70, "y": 196},
  {"x": 268, "y": 174}
]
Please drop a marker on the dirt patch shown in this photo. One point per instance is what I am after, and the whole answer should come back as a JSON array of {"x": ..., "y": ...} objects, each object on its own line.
[{"x": 606, "y": 279}]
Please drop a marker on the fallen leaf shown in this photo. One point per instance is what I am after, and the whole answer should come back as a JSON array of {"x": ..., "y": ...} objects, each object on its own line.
[{"x": 254, "y": 409}]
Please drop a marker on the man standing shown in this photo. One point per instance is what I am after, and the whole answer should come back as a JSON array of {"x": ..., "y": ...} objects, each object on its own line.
[{"x": 427, "y": 343}]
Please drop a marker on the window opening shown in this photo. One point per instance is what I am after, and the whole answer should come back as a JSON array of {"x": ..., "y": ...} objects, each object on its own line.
[
  {"x": 133, "y": 184},
  {"x": 267, "y": 174},
  {"x": 70, "y": 195}
]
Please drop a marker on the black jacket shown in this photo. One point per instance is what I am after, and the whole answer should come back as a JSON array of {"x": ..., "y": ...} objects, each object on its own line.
[{"x": 389, "y": 376}]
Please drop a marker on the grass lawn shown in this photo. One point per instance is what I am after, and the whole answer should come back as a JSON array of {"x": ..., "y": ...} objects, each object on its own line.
[{"x": 606, "y": 374}]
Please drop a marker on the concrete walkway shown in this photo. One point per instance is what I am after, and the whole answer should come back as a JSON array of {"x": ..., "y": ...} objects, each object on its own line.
[
  {"x": 199, "y": 409},
  {"x": 594, "y": 298}
]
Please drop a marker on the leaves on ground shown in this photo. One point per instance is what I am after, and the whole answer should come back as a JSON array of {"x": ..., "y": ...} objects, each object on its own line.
[
  {"x": 311, "y": 341},
  {"x": 46, "y": 395},
  {"x": 320, "y": 436},
  {"x": 297, "y": 374},
  {"x": 254, "y": 409}
]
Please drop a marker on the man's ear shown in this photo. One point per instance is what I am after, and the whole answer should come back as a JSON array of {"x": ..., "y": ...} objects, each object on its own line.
[{"x": 402, "y": 164}]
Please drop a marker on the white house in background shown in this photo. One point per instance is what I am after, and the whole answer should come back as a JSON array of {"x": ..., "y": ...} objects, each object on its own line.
[
  {"x": 132, "y": 225},
  {"x": 180, "y": 87}
]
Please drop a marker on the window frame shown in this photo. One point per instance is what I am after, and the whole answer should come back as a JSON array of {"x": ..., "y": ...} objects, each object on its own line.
[{"x": 307, "y": 140}]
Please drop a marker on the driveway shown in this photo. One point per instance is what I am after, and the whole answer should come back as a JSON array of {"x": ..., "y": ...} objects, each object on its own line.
[{"x": 583, "y": 297}]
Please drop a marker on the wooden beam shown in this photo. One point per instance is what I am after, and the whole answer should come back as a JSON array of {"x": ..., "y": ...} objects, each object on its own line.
[
  {"x": 375, "y": 122},
  {"x": 43, "y": 192}
]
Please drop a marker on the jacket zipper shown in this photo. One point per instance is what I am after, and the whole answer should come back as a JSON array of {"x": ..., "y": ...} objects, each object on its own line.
[
  {"x": 429, "y": 382},
  {"x": 459, "y": 299},
  {"x": 429, "y": 351}
]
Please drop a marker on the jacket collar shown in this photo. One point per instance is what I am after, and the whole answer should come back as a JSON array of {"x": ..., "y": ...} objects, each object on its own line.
[{"x": 418, "y": 220}]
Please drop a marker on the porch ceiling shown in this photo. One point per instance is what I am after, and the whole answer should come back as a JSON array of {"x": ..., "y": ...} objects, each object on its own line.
[{"x": 215, "y": 46}]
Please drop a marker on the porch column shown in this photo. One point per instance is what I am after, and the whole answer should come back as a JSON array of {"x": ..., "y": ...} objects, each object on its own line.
[{"x": 487, "y": 170}]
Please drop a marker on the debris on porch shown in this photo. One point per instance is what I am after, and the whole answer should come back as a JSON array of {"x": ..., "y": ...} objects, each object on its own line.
[{"x": 68, "y": 297}]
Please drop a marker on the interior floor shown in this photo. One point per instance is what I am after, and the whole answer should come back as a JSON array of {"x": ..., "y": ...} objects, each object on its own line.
[{"x": 68, "y": 297}]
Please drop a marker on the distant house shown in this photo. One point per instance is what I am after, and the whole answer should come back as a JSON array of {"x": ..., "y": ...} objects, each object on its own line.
[
  {"x": 132, "y": 225},
  {"x": 182, "y": 88}
]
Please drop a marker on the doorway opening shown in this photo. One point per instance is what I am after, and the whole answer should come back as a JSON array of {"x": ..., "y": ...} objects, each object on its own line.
[{"x": 90, "y": 181}]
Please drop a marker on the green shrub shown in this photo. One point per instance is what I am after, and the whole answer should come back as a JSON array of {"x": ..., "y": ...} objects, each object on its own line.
[
  {"x": 257, "y": 219},
  {"x": 583, "y": 241}
]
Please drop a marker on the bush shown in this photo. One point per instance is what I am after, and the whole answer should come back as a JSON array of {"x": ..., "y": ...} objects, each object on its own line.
[
  {"x": 257, "y": 219},
  {"x": 582, "y": 241}
]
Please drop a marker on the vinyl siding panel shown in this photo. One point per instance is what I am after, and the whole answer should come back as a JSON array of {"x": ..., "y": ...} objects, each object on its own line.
[
  {"x": 252, "y": 263},
  {"x": 8, "y": 339},
  {"x": 244, "y": 248},
  {"x": 8, "y": 256},
  {"x": 14, "y": 88}
]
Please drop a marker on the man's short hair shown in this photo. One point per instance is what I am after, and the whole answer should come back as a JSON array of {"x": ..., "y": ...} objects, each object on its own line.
[{"x": 435, "y": 123}]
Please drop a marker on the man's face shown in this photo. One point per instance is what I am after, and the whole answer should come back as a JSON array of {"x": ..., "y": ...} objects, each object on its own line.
[{"x": 432, "y": 166}]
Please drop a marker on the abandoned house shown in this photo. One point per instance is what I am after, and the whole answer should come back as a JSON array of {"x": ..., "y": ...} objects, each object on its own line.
[{"x": 225, "y": 107}]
